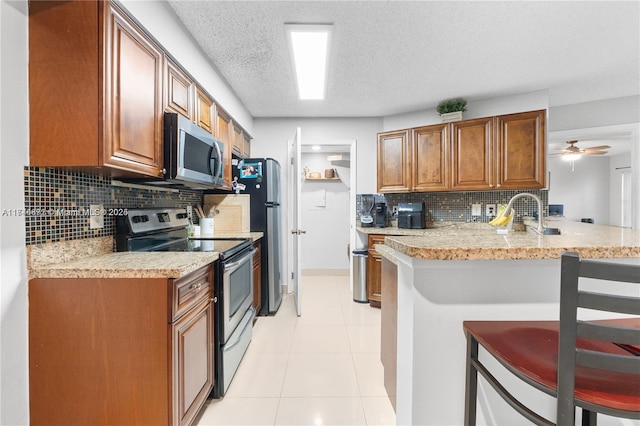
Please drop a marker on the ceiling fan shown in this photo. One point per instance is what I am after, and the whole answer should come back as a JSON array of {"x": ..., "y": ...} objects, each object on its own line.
[{"x": 575, "y": 152}]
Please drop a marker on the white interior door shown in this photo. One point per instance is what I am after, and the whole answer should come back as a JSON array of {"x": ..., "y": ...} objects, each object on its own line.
[{"x": 296, "y": 232}]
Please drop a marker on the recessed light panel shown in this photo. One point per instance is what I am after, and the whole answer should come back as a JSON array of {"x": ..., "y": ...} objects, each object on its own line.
[{"x": 309, "y": 46}]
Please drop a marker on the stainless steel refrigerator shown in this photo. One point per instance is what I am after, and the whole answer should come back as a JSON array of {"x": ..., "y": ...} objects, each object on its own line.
[{"x": 262, "y": 179}]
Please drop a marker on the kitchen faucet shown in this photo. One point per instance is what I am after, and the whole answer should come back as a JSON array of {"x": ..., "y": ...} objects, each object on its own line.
[{"x": 535, "y": 197}]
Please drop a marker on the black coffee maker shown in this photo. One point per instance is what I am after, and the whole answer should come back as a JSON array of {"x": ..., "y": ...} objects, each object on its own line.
[{"x": 380, "y": 215}]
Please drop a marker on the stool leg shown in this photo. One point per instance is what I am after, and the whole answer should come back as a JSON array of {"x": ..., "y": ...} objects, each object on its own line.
[
  {"x": 471, "y": 385},
  {"x": 589, "y": 418}
]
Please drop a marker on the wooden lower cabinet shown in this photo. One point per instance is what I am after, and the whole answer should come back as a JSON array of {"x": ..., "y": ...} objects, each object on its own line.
[
  {"x": 374, "y": 288},
  {"x": 105, "y": 351},
  {"x": 257, "y": 276},
  {"x": 389, "y": 327}
]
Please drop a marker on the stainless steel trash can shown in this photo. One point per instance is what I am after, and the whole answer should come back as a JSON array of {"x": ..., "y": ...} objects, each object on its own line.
[{"x": 359, "y": 259}]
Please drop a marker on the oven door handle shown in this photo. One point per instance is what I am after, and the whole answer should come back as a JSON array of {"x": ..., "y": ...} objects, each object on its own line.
[
  {"x": 230, "y": 345},
  {"x": 232, "y": 266}
]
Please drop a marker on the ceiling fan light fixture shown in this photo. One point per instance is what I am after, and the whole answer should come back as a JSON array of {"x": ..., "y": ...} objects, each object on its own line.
[
  {"x": 571, "y": 157},
  {"x": 309, "y": 48}
]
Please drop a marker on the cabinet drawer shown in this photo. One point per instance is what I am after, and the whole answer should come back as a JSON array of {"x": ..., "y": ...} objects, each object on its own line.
[
  {"x": 375, "y": 239},
  {"x": 190, "y": 290}
]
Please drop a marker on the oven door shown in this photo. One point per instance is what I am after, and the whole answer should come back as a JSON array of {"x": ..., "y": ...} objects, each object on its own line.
[{"x": 237, "y": 282}]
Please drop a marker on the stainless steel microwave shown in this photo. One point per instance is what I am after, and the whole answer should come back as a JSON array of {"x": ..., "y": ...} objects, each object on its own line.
[{"x": 193, "y": 157}]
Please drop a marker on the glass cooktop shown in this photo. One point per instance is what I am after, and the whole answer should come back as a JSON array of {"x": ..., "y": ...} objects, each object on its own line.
[{"x": 226, "y": 248}]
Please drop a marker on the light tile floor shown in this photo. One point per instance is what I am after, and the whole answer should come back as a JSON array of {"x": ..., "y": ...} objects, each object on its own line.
[{"x": 322, "y": 368}]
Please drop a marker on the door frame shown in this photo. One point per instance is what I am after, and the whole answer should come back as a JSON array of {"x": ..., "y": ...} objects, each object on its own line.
[
  {"x": 633, "y": 130},
  {"x": 352, "y": 143}
]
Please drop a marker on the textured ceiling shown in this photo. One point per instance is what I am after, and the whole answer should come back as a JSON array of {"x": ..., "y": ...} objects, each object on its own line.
[{"x": 390, "y": 57}]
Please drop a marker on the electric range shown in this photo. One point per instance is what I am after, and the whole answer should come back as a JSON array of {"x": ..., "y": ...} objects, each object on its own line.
[{"x": 166, "y": 230}]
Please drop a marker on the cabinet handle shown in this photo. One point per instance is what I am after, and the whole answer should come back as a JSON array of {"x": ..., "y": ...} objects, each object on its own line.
[
  {"x": 490, "y": 185},
  {"x": 196, "y": 286},
  {"x": 214, "y": 299},
  {"x": 498, "y": 186}
]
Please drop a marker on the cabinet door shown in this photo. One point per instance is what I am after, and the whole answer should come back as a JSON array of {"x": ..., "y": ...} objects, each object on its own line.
[
  {"x": 223, "y": 128},
  {"x": 471, "y": 154},
  {"x": 247, "y": 145},
  {"x": 521, "y": 150},
  {"x": 204, "y": 110},
  {"x": 374, "y": 271},
  {"x": 394, "y": 162},
  {"x": 133, "y": 97},
  {"x": 389, "y": 327},
  {"x": 238, "y": 141},
  {"x": 193, "y": 362},
  {"x": 430, "y": 147},
  {"x": 257, "y": 277},
  {"x": 178, "y": 90}
]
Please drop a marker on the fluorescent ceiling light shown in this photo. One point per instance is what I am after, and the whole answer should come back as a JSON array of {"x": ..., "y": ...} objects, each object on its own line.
[{"x": 309, "y": 46}]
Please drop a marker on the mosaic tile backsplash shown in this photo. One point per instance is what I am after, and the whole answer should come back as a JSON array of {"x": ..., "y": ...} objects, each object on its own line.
[
  {"x": 57, "y": 203},
  {"x": 456, "y": 206}
]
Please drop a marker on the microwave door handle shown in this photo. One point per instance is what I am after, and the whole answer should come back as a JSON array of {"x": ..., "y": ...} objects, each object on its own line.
[{"x": 219, "y": 172}]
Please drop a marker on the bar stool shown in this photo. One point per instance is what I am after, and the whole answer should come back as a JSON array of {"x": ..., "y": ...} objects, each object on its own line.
[{"x": 594, "y": 365}]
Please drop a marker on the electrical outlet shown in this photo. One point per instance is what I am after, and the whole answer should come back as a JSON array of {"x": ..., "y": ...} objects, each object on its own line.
[
  {"x": 476, "y": 209},
  {"x": 96, "y": 216},
  {"x": 491, "y": 209}
]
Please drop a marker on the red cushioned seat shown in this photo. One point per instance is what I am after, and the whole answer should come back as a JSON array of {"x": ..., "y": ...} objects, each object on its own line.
[
  {"x": 531, "y": 347},
  {"x": 592, "y": 364}
]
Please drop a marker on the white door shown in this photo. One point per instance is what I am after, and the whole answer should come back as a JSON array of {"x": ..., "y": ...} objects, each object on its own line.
[{"x": 296, "y": 232}]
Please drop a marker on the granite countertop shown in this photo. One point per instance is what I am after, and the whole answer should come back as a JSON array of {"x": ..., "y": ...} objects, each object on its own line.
[
  {"x": 94, "y": 258},
  {"x": 480, "y": 241},
  {"x": 127, "y": 265},
  {"x": 255, "y": 236}
]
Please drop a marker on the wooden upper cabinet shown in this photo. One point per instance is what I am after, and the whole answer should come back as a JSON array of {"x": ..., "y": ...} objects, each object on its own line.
[
  {"x": 238, "y": 141},
  {"x": 223, "y": 127},
  {"x": 133, "y": 101},
  {"x": 179, "y": 90},
  {"x": 521, "y": 150},
  {"x": 247, "y": 145},
  {"x": 430, "y": 167},
  {"x": 222, "y": 132},
  {"x": 205, "y": 111},
  {"x": 394, "y": 162},
  {"x": 95, "y": 89},
  {"x": 471, "y": 154}
]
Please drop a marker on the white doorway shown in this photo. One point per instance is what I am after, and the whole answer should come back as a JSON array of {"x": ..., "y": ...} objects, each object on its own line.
[
  {"x": 566, "y": 187},
  {"x": 328, "y": 207}
]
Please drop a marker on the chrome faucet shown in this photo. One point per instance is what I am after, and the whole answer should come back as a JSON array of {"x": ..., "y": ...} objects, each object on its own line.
[{"x": 535, "y": 197}]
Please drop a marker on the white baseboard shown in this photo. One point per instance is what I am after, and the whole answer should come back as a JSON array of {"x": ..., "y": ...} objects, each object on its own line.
[{"x": 334, "y": 272}]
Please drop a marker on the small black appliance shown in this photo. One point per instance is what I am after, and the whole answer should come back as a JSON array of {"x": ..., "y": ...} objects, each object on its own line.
[
  {"x": 411, "y": 215},
  {"x": 380, "y": 215}
]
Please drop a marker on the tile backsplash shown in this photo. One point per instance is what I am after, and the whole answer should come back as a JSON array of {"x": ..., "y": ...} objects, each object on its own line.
[
  {"x": 456, "y": 206},
  {"x": 57, "y": 203}
]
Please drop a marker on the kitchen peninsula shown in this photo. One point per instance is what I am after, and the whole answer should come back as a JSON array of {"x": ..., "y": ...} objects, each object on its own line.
[{"x": 456, "y": 272}]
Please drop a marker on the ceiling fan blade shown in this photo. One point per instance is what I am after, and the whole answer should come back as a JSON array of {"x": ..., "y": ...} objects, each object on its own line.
[
  {"x": 596, "y": 148},
  {"x": 594, "y": 153}
]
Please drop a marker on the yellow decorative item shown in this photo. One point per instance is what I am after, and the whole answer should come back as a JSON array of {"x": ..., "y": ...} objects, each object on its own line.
[{"x": 502, "y": 221}]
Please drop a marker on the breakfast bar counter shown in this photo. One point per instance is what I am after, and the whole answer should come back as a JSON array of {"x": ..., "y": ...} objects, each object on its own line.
[
  {"x": 481, "y": 242},
  {"x": 449, "y": 274}
]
